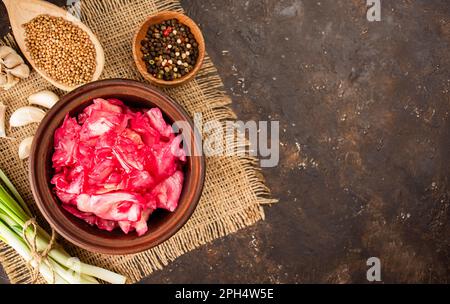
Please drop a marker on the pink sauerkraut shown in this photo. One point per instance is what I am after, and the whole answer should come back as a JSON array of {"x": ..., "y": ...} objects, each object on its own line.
[{"x": 114, "y": 166}]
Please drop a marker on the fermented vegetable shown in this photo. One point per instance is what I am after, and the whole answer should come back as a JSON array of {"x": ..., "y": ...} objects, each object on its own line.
[{"x": 114, "y": 166}]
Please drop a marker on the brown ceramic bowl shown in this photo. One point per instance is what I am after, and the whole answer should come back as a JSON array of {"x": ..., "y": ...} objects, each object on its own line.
[
  {"x": 141, "y": 33},
  {"x": 162, "y": 225}
]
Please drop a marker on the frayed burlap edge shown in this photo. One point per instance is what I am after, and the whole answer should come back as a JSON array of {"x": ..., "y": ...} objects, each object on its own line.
[{"x": 212, "y": 87}]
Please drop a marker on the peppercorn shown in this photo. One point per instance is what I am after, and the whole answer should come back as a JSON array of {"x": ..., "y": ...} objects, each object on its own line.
[{"x": 166, "y": 47}]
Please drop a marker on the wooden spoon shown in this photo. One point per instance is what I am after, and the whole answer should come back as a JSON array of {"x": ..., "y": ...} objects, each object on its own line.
[{"x": 23, "y": 11}]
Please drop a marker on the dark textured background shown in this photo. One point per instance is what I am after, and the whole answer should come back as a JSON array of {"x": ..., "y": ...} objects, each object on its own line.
[{"x": 365, "y": 139}]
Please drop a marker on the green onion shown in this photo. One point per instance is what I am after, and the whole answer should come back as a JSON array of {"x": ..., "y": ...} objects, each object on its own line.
[
  {"x": 22, "y": 249},
  {"x": 14, "y": 191},
  {"x": 58, "y": 266}
]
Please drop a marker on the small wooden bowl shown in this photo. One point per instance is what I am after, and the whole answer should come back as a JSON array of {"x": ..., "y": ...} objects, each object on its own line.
[
  {"x": 142, "y": 32},
  {"x": 161, "y": 225}
]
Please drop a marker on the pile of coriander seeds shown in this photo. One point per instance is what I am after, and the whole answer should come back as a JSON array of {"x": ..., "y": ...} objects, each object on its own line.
[
  {"x": 61, "y": 50},
  {"x": 169, "y": 50}
]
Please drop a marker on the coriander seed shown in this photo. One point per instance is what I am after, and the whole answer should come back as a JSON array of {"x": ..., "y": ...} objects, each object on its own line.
[{"x": 61, "y": 49}]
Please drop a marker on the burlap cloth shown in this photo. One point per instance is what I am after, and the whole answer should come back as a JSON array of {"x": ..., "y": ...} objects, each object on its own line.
[{"x": 233, "y": 194}]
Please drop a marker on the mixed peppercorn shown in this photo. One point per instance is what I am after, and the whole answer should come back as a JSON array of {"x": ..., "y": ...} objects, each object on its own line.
[{"x": 169, "y": 50}]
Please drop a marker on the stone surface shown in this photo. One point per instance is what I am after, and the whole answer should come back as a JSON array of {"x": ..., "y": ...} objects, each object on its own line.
[{"x": 365, "y": 136}]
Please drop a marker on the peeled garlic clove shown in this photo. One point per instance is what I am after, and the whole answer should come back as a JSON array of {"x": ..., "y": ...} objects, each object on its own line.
[
  {"x": 26, "y": 115},
  {"x": 2, "y": 120},
  {"x": 12, "y": 60},
  {"x": 21, "y": 71},
  {"x": 5, "y": 51},
  {"x": 46, "y": 99},
  {"x": 25, "y": 147}
]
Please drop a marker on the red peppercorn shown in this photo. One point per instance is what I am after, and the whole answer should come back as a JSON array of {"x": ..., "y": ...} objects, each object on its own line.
[{"x": 167, "y": 31}]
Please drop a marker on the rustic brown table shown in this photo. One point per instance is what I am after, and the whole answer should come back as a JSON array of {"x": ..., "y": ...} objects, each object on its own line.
[{"x": 365, "y": 139}]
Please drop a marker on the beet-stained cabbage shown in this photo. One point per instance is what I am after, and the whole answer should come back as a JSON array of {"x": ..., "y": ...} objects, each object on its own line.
[{"x": 114, "y": 166}]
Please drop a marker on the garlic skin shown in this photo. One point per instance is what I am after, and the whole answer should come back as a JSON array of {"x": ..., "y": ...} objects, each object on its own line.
[
  {"x": 12, "y": 68},
  {"x": 12, "y": 60},
  {"x": 25, "y": 116},
  {"x": 21, "y": 71},
  {"x": 46, "y": 99},
  {"x": 2, "y": 120},
  {"x": 3, "y": 80},
  {"x": 5, "y": 51},
  {"x": 25, "y": 147},
  {"x": 10, "y": 81}
]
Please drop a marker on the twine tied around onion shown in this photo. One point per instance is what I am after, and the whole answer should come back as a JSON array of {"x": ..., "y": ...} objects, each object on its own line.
[{"x": 38, "y": 256}]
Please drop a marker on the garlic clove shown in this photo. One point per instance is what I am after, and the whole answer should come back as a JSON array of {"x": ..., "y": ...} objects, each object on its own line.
[
  {"x": 12, "y": 68},
  {"x": 2, "y": 120},
  {"x": 3, "y": 80},
  {"x": 5, "y": 51},
  {"x": 21, "y": 71},
  {"x": 25, "y": 147},
  {"x": 12, "y": 60},
  {"x": 10, "y": 81},
  {"x": 46, "y": 99},
  {"x": 26, "y": 115}
]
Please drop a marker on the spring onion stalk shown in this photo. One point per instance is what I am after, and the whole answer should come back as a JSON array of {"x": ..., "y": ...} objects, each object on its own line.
[
  {"x": 22, "y": 249},
  {"x": 58, "y": 265},
  {"x": 15, "y": 193},
  {"x": 69, "y": 262},
  {"x": 69, "y": 276},
  {"x": 89, "y": 279}
]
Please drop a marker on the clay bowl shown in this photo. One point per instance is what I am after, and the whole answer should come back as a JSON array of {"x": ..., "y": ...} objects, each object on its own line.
[
  {"x": 141, "y": 33},
  {"x": 162, "y": 225}
]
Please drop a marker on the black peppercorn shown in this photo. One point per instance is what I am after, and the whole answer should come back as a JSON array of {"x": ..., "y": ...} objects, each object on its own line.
[{"x": 170, "y": 50}]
